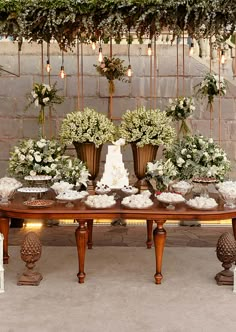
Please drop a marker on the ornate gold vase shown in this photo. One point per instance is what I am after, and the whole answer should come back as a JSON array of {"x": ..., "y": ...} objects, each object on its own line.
[
  {"x": 141, "y": 157},
  {"x": 90, "y": 155}
]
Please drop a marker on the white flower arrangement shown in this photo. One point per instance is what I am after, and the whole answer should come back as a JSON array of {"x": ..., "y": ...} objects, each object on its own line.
[
  {"x": 211, "y": 86},
  {"x": 44, "y": 95},
  {"x": 87, "y": 126},
  {"x": 180, "y": 109},
  {"x": 36, "y": 157},
  {"x": 46, "y": 157},
  {"x": 163, "y": 172},
  {"x": 147, "y": 126},
  {"x": 74, "y": 171},
  {"x": 198, "y": 156}
]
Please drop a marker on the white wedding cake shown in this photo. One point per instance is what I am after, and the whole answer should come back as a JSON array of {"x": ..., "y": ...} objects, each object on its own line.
[{"x": 115, "y": 175}]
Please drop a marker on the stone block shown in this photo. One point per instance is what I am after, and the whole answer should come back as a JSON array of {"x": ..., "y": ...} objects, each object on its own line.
[
  {"x": 73, "y": 88},
  {"x": 10, "y": 128},
  {"x": 168, "y": 87},
  {"x": 8, "y": 107}
]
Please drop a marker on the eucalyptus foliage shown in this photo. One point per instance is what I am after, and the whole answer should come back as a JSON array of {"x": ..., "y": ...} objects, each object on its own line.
[{"x": 67, "y": 20}]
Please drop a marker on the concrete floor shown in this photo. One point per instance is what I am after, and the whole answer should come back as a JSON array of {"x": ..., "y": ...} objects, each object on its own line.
[{"x": 124, "y": 236}]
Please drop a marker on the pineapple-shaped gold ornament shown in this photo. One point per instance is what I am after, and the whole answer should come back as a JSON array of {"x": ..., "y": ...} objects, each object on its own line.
[
  {"x": 30, "y": 253},
  {"x": 226, "y": 253}
]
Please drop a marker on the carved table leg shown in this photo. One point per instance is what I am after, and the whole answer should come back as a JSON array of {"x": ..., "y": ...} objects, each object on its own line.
[
  {"x": 234, "y": 227},
  {"x": 149, "y": 234},
  {"x": 159, "y": 237},
  {"x": 81, "y": 236},
  {"x": 4, "y": 229},
  {"x": 90, "y": 233}
]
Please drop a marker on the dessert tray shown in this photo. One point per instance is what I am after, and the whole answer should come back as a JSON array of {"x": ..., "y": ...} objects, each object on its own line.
[
  {"x": 182, "y": 187},
  {"x": 71, "y": 195},
  {"x": 138, "y": 201},
  {"x": 39, "y": 203},
  {"x": 100, "y": 201},
  {"x": 129, "y": 190},
  {"x": 32, "y": 190},
  {"x": 202, "y": 203},
  {"x": 38, "y": 177}
]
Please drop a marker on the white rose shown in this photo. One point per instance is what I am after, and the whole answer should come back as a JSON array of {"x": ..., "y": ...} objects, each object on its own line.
[
  {"x": 22, "y": 157},
  {"x": 37, "y": 157},
  {"x": 41, "y": 144}
]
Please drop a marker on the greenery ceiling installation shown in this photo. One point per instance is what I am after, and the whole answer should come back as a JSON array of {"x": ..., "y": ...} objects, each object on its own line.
[{"x": 66, "y": 20}]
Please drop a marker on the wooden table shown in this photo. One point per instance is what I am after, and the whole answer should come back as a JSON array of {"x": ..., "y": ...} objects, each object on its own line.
[{"x": 84, "y": 216}]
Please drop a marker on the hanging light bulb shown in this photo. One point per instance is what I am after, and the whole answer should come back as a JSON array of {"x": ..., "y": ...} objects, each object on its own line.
[
  {"x": 191, "y": 49},
  {"x": 100, "y": 56},
  {"x": 129, "y": 71},
  {"x": 62, "y": 72},
  {"x": 149, "y": 49},
  {"x": 48, "y": 67},
  {"x": 222, "y": 58},
  {"x": 93, "y": 46}
]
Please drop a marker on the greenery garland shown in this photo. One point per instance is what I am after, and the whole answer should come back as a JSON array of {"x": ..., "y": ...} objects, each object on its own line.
[{"x": 42, "y": 20}]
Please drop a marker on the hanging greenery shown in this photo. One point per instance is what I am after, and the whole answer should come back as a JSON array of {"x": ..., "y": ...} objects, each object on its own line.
[{"x": 66, "y": 20}]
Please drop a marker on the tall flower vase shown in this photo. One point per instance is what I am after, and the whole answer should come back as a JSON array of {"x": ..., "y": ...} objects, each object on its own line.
[
  {"x": 41, "y": 121},
  {"x": 141, "y": 156},
  {"x": 111, "y": 92},
  {"x": 90, "y": 155}
]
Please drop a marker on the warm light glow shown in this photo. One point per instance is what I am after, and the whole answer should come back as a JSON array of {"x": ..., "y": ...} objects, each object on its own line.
[
  {"x": 100, "y": 56},
  {"x": 62, "y": 72},
  {"x": 149, "y": 49},
  {"x": 33, "y": 224},
  {"x": 94, "y": 46},
  {"x": 191, "y": 49},
  {"x": 222, "y": 58},
  {"x": 129, "y": 71},
  {"x": 48, "y": 67}
]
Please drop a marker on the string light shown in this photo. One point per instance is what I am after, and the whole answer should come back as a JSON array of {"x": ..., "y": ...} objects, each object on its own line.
[
  {"x": 191, "y": 49},
  {"x": 222, "y": 58},
  {"x": 149, "y": 49},
  {"x": 62, "y": 73},
  {"x": 129, "y": 71},
  {"x": 100, "y": 56},
  {"x": 48, "y": 66},
  {"x": 93, "y": 46}
]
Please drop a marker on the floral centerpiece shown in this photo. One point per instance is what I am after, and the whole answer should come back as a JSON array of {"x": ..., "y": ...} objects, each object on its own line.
[
  {"x": 41, "y": 96},
  {"x": 163, "y": 172},
  {"x": 147, "y": 126},
  {"x": 211, "y": 86},
  {"x": 145, "y": 129},
  {"x": 88, "y": 130},
  {"x": 198, "y": 156},
  {"x": 36, "y": 157},
  {"x": 180, "y": 109},
  {"x": 87, "y": 126}
]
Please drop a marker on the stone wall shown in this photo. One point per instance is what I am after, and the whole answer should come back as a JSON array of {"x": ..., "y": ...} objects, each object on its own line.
[{"x": 16, "y": 124}]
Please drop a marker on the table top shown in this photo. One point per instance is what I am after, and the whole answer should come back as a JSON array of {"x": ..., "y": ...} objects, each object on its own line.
[{"x": 78, "y": 210}]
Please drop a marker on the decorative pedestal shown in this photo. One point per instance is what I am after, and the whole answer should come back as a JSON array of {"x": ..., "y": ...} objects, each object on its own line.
[
  {"x": 30, "y": 253},
  {"x": 1, "y": 264},
  {"x": 226, "y": 253}
]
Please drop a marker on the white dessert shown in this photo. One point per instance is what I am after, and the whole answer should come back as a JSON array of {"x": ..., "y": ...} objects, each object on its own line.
[
  {"x": 8, "y": 186},
  {"x": 202, "y": 203},
  {"x": 71, "y": 195},
  {"x": 167, "y": 197},
  {"x": 100, "y": 201},
  {"x": 137, "y": 201},
  {"x": 102, "y": 188},
  {"x": 61, "y": 186},
  {"x": 183, "y": 187},
  {"x": 130, "y": 190},
  {"x": 115, "y": 175}
]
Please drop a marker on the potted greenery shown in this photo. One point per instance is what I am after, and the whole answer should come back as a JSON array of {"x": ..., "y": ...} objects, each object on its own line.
[
  {"x": 87, "y": 130},
  {"x": 146, "y": 129}
]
